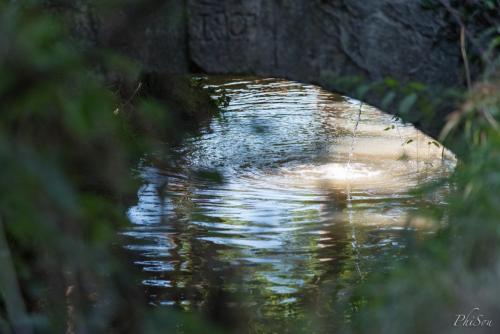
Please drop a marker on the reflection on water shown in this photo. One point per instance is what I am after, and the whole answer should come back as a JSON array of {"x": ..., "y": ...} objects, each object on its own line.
[{"x": 290, "y": 215}]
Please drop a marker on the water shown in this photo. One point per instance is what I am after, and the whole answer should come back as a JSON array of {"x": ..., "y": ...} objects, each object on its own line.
[{"x": 286, "y": 201}]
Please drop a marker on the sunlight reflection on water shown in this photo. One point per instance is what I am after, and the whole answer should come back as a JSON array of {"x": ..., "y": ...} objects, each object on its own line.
[{"x": 279, "y": 226}]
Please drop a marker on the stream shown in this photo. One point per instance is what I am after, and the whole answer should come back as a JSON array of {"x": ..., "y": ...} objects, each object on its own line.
[{"x": 283, "y": 204}]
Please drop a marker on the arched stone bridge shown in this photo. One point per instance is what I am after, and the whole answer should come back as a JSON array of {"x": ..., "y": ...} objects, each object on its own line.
[{"x": 304, "y": 40}]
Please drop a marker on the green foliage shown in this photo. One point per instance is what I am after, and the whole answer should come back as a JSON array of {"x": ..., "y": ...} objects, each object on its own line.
[
  {"x": 424, "y": 104},
  {"x": 68, "y": 140},
  {"x": 412, "y": 101},
  {"x": 458, "y": 268},
  {"x": 68, "y": 137}
]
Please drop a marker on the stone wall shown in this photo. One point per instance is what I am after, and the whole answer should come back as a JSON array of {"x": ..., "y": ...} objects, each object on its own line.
[{"x": 304, "y": 40}]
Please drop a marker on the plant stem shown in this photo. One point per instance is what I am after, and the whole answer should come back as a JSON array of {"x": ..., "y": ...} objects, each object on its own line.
[
  {"x": 10, "y": 291},
  {"x": 464, "y": 57}
]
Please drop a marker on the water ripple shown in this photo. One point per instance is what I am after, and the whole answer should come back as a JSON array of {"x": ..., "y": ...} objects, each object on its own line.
[{"x": 281, "y": 214}]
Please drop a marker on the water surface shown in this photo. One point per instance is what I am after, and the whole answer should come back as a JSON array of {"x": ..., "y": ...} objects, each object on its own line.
[{"x": 280, "y": 199}]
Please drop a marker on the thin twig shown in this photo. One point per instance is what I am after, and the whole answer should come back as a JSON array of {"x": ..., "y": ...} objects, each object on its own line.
[
  {"x": 129, "y": 100},
  {"x": 349, "y": 195},
  {"x": 490, "y": 118},
  {"x": 457, "y": 18},
  {"x": 10, "y": 291},
  {"x": 464, "y": 57}
]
